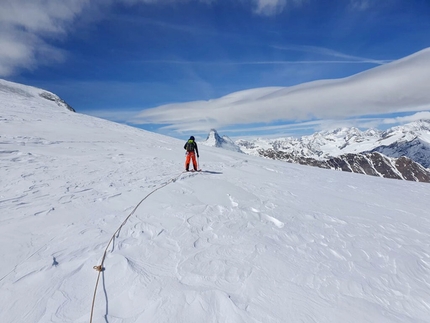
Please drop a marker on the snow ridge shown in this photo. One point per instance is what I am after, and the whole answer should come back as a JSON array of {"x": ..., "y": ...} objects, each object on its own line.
[{"x": 14, "y": 90}]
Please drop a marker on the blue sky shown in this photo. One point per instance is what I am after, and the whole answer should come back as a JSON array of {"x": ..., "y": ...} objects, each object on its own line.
[{"x": 114, "y": 59}]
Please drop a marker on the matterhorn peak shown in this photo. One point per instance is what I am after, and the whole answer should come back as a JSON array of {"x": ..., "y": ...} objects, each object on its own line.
[{"x": 215, "y": 140}]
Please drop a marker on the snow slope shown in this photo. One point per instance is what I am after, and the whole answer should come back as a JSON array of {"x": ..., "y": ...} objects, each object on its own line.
[{"x": 246, "y": 240}]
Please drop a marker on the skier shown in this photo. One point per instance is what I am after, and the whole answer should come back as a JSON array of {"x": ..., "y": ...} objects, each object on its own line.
[{"x": 191, "y": 146}]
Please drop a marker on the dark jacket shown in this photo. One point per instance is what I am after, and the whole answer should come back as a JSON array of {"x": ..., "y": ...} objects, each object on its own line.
[{"x": 193, "y": 146}]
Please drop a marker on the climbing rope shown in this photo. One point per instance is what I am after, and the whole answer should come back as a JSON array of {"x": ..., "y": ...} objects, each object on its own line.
[{"x": 100, "y": 268}]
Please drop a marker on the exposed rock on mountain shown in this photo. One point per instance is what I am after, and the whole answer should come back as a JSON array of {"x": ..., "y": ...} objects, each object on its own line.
[
  {"x": 416, "y": 149},
  {"x": 374, "y": 164},
  {"x": 13, "y": 90},
  {"x": 52, "y": 97}
]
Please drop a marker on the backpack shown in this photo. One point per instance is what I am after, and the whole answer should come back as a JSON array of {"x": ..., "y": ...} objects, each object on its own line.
[{"x": 189, "y": 146}]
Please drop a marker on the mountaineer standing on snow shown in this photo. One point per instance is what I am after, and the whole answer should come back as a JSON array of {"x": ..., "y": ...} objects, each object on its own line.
[{"x": 191, "y": 146}]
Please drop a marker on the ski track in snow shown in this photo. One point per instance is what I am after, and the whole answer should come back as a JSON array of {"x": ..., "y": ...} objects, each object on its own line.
[{"x": 245, "y": 240}]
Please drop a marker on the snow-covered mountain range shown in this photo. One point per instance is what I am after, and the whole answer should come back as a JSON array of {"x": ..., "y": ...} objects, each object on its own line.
[
  {"x": 247, "y": 240},
  {"x": 414, "y": 142},
  {"x": 414, "y": 138},
  {"x": 371, "y": 152}
]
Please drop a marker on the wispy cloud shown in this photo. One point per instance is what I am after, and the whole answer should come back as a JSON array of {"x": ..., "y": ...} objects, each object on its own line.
[
  {"x": 133, "y": 2},
  {"x": 260, "y": 7},
  {"x": 360, "y": 4},
  {"x": 184, "y": 27},
  {"x": 277, "y": 62},
  {"x": 331, "y": 53},
  {"x": 375, "y": 122},
  {"x": 297, "y": 129},
  {"x": 25, "y": 27},
  {"x": 399, "y": 120},
  {"x": 384, "y": 89},
  {"x": 273, "y": 7},
  {"x": 20, "y": 49}
]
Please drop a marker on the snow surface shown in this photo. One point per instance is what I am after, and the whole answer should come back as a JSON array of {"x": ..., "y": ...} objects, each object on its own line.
[{"x": 246, "y": 240}]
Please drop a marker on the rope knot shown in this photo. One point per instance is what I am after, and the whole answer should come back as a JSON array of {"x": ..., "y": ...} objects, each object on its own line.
[{"x": 98, "y": 268}]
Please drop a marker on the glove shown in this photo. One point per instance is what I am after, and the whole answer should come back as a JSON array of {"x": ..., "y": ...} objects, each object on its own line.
[{"x": 198, "y": 156}]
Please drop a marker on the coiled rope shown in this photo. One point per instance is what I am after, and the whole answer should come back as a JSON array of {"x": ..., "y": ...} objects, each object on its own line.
[{"x": 100, "y": 267}]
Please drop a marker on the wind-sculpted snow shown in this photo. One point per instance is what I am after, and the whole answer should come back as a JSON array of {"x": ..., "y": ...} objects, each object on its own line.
[{"x": 245, "y": 240}]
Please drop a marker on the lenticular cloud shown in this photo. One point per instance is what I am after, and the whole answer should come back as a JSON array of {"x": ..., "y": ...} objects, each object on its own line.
[{"x": 399, "y": 86}]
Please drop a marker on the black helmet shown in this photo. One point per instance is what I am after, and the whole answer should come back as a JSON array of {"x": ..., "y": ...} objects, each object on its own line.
[{"x": 192, "y": 138}]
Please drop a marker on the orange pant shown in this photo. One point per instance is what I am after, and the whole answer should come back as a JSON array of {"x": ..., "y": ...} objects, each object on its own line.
[{"x": 190, "y": 155}]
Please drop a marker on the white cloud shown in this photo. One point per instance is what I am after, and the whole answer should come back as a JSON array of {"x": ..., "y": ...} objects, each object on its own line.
[
  {"x": 273, "y": 7},
  {"x": 269, "y": 7},
  {"x": 36, "y": 16},
  {"x": 360, "y": 5},
  {"x": 25, "y": 27},
  {"x": 400, "y": 86},
  {"x": 297, "y": 129},
  {"x": 133, "y": 2},
  {"x": 13, "y": 52},
  {"x": 25, "y": 50},
  {"x": 415, "y": 117},
  {"x": 331, "y": 53}
]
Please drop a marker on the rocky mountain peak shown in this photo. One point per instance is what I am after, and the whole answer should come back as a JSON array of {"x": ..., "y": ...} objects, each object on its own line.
[{"x": 215, "y": 140}]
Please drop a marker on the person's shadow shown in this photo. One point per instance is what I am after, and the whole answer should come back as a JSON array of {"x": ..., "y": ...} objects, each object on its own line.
[{"x": 211, "y": 172}]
